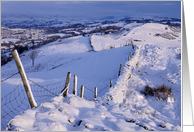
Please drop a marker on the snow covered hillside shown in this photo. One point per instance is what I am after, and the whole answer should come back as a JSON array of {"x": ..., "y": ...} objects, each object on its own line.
[
  {"x": 156, "y": 60},
  {"x": 113, "y": 40}
]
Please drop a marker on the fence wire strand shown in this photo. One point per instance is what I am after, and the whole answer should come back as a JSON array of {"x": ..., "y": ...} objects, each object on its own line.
[{"x": 9, "y": 77}]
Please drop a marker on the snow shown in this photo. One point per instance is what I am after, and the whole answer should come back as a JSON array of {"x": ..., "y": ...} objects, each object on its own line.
[
  {"x": 101, "y": 43},
  {"x": 76, "y": 32},
  {"x": 119, "y": 24},
  {"x": 6, "y": 40},
  {"x": 131, "y": 25},
  {"x": 88, "y": 29},
  {"x": 122, "y": 107},
  {"x": 17, "y": 29},
  {"x": 109, "y": 41},
  {"x": 57, "y": 34}
]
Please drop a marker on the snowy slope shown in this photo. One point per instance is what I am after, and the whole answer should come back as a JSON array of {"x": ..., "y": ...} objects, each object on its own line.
[
  {"x": 113, "y": 40},
  {"x": 123, "y": 107},
  {"x": 73, "y": 55}
]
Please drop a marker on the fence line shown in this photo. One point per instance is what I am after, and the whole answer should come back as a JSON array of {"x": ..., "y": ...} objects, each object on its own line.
[
  {"x": 111, "y": 80},
  {"x": 92, "y": 96},
  {"x": 17, "y": 101}
]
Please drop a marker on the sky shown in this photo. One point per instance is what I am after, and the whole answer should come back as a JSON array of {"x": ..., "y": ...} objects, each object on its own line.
[{"x": 92, "y": 9}]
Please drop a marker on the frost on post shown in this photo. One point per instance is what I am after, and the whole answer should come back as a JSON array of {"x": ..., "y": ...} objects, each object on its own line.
[{"x": 33, "y": 55}]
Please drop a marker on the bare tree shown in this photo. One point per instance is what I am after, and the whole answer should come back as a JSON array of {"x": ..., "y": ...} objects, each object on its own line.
[{"x": 33, "y": 55}]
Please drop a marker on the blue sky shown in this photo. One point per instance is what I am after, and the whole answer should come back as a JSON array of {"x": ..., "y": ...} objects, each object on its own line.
[{"x": 92, "y": 9}]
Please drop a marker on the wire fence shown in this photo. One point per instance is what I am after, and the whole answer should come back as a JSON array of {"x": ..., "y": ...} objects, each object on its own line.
[
  {"x": 89, "y": 92},
  {"x": 17, "y": 101}
]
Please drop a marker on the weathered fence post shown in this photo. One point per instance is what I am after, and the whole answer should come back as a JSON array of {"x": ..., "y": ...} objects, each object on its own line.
[
  {"x": 75, "y": 85},
  {"x": 95, "y": 92},
  {"x": 130, "y": 54},
  {"x": 82, "y": 92},
  {"x": 130, "y": 72},
  {"x": 65, "y": 90},
  {"x": 110, "y": 82},
  {"x": 129, "y": 58},
  {"x": 120, "y": 69},
  {"x": 24, "y": 79},
  {"x": 132, "y": 43}
]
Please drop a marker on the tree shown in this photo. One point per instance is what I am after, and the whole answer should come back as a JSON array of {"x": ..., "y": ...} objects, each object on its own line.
[{"x": 33, "y": 55}]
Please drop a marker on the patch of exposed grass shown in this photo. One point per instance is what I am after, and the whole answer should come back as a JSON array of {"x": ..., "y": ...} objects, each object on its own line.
[
  {"x": 148, "y": 91},
  {"x": 161, "y": 92}
]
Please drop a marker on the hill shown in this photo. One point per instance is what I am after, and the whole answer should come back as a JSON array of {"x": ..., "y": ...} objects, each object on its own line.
[{"x": 123, "y": 107}]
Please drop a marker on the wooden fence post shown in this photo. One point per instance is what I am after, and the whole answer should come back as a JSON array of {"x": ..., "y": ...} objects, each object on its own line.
[
  {"x": 95, "y": 92},
  {"x": 130, "y": 72},
  {"x": 120, "y": 69},
  {"x": 82, "y": 92},
  {"x": 24, "y": 79},
  {"x": 65, "y": 90},
  {"x": 129, "y": 58},
  {"x": 110, "y": 82},
  {"x": 75, "y": 85},
  {"x": 132, "y": 43},
  {"x": 130, "y": 54}
]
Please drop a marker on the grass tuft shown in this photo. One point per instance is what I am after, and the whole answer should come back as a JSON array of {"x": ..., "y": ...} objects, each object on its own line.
[
  {"x": 161, "y": 92},
  {"x": 149, "y": 91}
]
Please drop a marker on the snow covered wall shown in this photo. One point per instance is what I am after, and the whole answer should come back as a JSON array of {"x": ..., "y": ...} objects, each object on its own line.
[{"x": 119, "y": 90}]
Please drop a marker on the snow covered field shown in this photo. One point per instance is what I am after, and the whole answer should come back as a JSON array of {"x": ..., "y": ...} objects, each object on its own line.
[
  {"x": 155, "y": 61},
  {"x": 6, "y": 40}
]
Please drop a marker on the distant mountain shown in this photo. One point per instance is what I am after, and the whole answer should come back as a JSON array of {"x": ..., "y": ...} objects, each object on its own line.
[{"x": 58, "y": 21}]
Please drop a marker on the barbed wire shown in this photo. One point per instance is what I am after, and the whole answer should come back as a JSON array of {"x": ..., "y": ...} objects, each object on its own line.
[{"x": 10, "y": 77}]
